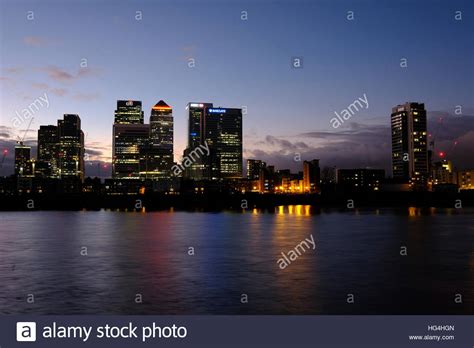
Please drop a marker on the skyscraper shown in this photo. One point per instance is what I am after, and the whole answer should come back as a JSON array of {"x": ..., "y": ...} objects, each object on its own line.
[
  {"x": 128, "y": 143},
  {"x": 129, "y": 112},
  {"x": 47, "y": 152},
  {"x": 311, "y": 176},
  {"x": 160, "y": 151},
  {"x": 161, "y": 126},
  {"x": 129, "y": 136},
  {"x": 222, "y": 131},
  {"x": 196, "y": 112},
  {"x": 409, "y": 143},
  {"x": 71, "y": 147},
  {"x": 196, "y": 116},
  {"x": 23, "y": 164}
]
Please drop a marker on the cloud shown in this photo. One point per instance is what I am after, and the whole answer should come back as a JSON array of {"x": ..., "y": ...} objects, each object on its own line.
[
  {"x": 5, "y": 132},
  {"x": 363, "y": 145},
  {"x": 40, "y": 85},
  {"x": 86, "y": 96},
  {"x": 188, "y": 51},
  {"x": 94, "y": 152},
  {"x": 62, "y": 75},
  {"x": 8, "y": 77},
  {"x": 58, "y": 74},
  {"x": 285, "y": 144},
  {"x": 454, "y": 136},
  {"x": 60, "y": 92},
  {"x": 15, "y": 69},
  {"x": 35, "y": 41},
  {"x": 86, "y": 71},
  {"x": 444, "y": 126},
  {"x": 353, "y": 129},
  {"x": 96, "y": 144}
]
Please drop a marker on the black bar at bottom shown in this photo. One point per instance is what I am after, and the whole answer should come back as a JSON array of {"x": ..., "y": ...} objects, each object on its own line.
[{"x": 238, "y": 331}]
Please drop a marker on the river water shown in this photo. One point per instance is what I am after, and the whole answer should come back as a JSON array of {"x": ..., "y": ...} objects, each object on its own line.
[{"x": 386, "y": 261}]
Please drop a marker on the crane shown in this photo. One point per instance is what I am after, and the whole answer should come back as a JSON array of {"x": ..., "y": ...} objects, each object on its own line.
[{"x": 20, "y": 141}]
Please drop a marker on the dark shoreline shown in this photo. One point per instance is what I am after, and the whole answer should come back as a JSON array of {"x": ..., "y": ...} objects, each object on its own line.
[{"x": 237, "y": 202}]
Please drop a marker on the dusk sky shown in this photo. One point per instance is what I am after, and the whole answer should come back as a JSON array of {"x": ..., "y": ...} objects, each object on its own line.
[{"x": 245, "y": 63}]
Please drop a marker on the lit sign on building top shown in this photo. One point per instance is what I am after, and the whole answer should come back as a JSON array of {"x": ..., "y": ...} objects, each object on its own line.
[{"x": 217, "y": 111}]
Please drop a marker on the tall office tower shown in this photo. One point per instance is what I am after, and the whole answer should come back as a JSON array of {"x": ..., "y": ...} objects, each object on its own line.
[
  {"x": 161, "y": 126},
  {"x": 71, "y": 147},
  {"x": 127, "y": 146},
  {"x": 23, "y": 164},
  {"x": 311, "y": 176},
  {"x": 47, "y": 152},
  {"x": 409, "y": 143},
  {"x": 161, "y": 141},
  {"x": 129, "y": 112},
  {"x": 196, "y": 123},
  {"x": 253, "y": 168},
  {"x": 222, "y": 132},
  {"x": 129, "y": 135},
  {"x": 196, "y": 112}
]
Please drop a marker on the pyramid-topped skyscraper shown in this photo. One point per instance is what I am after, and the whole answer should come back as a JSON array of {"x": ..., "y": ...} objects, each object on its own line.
[{"x": 159, "y": 155}]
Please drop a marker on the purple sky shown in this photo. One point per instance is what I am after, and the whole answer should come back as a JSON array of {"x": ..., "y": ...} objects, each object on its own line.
[{"x": 184, "y": 51}]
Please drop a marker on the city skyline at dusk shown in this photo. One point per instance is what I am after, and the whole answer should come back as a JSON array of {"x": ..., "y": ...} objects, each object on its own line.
[
  {"x": 106, "y": 167},
  {"x": 135, "y": 55},
  {"x": 292, "y": 172}
]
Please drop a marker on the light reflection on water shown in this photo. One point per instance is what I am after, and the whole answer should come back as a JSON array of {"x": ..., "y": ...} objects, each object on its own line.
[{"x": 357, "y": 252}]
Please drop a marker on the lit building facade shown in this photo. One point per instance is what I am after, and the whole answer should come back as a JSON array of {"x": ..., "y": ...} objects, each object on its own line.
[
  {"x": 154, "y": 162},
  {"x": 254, "y": 168},
  {"x": 129, "y": 112},
  {"x": 47, "y": 158},
  {"x": 222, "y": 132},
  {"x": 360, "y": 179},
  {"x": 442, "y": 172},
  {"x": 23, "y": 163},
  {"x": 71, "y": 147},
  {"x": 465, "y": 179},
  {"x": 160, "y": 155},
  {"x": 409, "y": 143},
  {"x": 266, "y": 179},
  {"x": 129, "y": 135},
  {"x": 196, "y": 117},
  {"x": 128, "y": 141}
]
